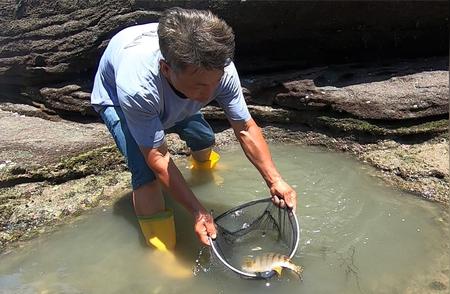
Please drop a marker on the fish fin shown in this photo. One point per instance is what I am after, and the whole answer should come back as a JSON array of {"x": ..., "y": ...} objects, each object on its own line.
[
  {"x": 299, "y": 271},
  {"x": 278, "y": 270}
]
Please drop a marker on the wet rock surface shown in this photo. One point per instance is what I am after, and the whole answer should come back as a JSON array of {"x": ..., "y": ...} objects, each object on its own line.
[
  {"x": 419, "y": 168},
  {"x": 30, "y": 209}
]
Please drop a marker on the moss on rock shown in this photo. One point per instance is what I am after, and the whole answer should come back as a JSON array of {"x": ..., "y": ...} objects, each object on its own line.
[
  {"x": 92, "y": 162},
  {"x": 363, "y": 127}
]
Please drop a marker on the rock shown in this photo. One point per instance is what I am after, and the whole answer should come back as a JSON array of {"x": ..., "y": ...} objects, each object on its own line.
[
  {"x": 398, "y": 91},
  {"x": 69, "y": 98},
  {"x": 438, "y": 286},
  {"x": 357, "y": 128},
  {"x": 34, "y": 140},
  {"x": 49, "y": 48},
  {"x": 421, "y": 168},
  {"x": 5, "y": 236}
]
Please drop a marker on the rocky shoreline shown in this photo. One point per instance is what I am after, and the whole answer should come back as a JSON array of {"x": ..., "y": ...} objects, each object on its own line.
[
  {"x": 377, "y": 91},
  {"x": 56, "y": 170},
  {"x": 56, "y": 164}
]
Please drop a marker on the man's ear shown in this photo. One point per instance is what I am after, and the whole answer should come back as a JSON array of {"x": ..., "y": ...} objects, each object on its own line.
[{"x": 165, "y": 68}]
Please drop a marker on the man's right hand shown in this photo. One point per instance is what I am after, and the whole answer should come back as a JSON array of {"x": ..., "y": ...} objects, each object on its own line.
[
  {"x": 204, "y": 226},
  {"x": 283, "y": 195},
  {"x": 171, "y": 179}
]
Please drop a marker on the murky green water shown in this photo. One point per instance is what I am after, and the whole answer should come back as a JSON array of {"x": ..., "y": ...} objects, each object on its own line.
[{"x": 357, "y": 236}]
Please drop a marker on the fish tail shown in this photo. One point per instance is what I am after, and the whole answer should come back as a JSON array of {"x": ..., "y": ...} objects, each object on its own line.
[
  {"x": 295, "y": 268},
  {"x": 298, "y": 270}
]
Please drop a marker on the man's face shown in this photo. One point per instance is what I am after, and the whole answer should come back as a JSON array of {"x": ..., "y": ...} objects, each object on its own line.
[{"x": 194, "y": 82}]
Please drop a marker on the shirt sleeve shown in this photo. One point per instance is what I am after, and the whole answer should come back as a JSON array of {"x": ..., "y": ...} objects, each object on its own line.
[
  {"x": 144, "y": 124},
  {"x": 231, "y": 98}
]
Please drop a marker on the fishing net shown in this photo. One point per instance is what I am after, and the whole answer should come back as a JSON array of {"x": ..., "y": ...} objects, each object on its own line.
[{"x": 253, "y": 229}]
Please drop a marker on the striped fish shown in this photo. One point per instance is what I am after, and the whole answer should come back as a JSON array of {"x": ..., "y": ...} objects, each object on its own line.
[{"x": 268, "y": 262}]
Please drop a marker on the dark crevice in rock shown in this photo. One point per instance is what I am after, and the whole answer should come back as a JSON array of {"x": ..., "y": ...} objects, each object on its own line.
[
  {"x": 20, "y": 180},
  {"x": 340, "y": 125}
]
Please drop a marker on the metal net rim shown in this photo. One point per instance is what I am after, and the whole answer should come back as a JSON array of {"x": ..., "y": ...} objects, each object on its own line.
[{"x": 246, "y": 274}]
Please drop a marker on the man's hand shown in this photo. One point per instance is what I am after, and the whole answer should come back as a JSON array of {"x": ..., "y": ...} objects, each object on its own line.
[
  {"x": 257, "y": 151},
  {"x": 204, "y": 227},
  {"x": 171, "y": 179},
  {"x": 283, "y": 195}
]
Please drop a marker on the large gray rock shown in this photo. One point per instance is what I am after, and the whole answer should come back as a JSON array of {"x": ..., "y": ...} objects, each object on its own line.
[
  {"x": 49, "y": 50},
  {"x": 48, "y": 42},
  {"x": 396, "y": 91}
]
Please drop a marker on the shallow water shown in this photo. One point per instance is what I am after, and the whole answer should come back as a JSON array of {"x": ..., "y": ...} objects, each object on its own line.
[{"x": 357, "y": 236}]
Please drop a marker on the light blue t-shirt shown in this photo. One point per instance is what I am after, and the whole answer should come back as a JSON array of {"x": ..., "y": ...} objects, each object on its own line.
[{"x": 128, "y": 76}]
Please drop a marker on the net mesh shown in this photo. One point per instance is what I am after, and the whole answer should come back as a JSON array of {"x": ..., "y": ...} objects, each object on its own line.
[{"x": 253, "y": 229}]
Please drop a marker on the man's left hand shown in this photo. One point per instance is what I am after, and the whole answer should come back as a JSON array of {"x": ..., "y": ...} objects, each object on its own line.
[
  {"x": 283, "y": 195},
  {"x": 204, "y": 226}
]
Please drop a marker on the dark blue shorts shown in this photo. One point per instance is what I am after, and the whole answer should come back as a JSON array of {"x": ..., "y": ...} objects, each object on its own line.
[{"x": 194, "y": 130}]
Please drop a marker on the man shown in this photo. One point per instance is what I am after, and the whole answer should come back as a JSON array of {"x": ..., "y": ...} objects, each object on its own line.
[{"x": 155, "y": 78}]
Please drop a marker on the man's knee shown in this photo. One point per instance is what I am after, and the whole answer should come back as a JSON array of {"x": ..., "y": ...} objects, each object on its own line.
[
  {"x": 206, "y": 140},
  {"x": 196, "y": 132},
  {"x": 141, "y": 177},
  {"x": 200, "y": 136}
]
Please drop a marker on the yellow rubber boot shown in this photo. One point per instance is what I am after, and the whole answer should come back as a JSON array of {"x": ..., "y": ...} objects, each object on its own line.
[
  {"x": 208, "y": 164},
  {"x": 159, "y": 230},
  {"x": 203, "y": 170}
]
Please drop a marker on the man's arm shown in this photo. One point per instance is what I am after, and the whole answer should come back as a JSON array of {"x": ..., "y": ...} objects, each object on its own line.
[
  {"x": 170, "y": 177},
  {"x": 257, "y": 151}
]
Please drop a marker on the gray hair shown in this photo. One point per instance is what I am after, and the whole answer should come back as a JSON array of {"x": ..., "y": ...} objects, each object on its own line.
[{"x": 195, "y": 37}]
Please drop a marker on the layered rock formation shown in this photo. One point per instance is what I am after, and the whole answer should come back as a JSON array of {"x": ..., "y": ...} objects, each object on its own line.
[{"x": 50, "y": 49}]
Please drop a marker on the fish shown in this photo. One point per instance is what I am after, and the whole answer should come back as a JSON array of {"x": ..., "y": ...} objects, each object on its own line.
[{"x": 268, "y": 262}]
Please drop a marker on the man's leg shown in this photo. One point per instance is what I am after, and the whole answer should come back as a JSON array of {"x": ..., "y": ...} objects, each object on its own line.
[
  {"x": 200, "y": 138},
  {"x": 157, "y": 223},
  {"x": 202, "y": 155},
  {"x": 148, "y": 199}
]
